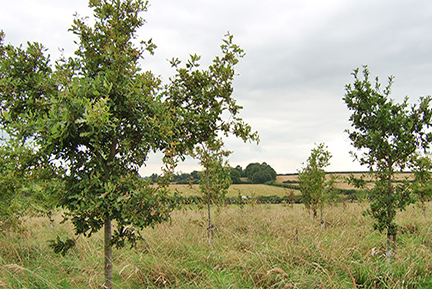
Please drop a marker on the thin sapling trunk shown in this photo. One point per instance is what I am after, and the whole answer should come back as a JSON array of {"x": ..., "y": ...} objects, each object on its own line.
[
  {"x": 210, "y": 226},
  {"x": 108, "y": 254},
  {"x": 391, "y": 246}
]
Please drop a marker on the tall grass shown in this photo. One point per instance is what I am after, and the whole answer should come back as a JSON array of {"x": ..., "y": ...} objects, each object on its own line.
[{"x": 259, "y": 246}]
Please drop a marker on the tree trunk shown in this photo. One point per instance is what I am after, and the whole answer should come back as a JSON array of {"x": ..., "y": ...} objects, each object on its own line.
[
  {"x": 388, "y": 253},
  {"x": 108, "y": 254},
  {"x": 423, "y": 208},
  {"x": 391, "y": 235},
  {"x": 391, "y": 246},
  {"x": 210, "y": 227},
  {"x": 321, "y": 215},
  {"x": 51, "y": 219}
]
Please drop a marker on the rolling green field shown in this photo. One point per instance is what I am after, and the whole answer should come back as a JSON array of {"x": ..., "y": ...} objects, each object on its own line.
[
  {"x": 253, "y": 190},
  {"x": 257, "y": 246},
  {"x": 234, "y": 190},
  {"x": 341, "y": 182}
]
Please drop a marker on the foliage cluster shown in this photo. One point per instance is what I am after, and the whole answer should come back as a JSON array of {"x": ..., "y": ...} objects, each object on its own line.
[
  {"x": 236, "y": 175},
  {"x": 260, "y": 173}
]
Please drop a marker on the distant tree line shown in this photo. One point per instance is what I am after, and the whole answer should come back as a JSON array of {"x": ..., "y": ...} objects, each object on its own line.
[
  {"x": 182, "y": 178},
  {"x": 254, "y": 173}
]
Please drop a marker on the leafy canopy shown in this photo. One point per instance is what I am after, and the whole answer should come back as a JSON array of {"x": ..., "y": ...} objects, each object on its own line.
[
  {"x": 312, "y": 178},
  {"x": 96, "y": 116},
  {"x": 386, "y": 135}
]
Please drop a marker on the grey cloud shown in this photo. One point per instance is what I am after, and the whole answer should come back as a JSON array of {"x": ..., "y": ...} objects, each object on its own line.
[{"x": 299, "y": 57}]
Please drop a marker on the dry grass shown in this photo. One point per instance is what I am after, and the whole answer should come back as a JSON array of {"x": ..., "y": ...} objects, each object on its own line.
[{"x": 259, "y": 246}]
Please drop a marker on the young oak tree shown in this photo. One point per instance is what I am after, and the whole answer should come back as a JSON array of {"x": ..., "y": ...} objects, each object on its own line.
[
  {"x": 312, "y": 180},
  {"x": 198, "y": 99},
  {"x": 215, "y": 178},
  {"x": 386, "y": 135},
  {"x": 95, "y": 117}
]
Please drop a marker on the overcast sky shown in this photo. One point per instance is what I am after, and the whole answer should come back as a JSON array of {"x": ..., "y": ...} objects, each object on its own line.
[{"x": 299, "y": 57}]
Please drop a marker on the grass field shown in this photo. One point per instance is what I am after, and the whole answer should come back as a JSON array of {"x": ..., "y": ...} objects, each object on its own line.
[
  {"x": 234, "y": 190},
  {"x": 258, "y": 246},
  {"x": 341, "y": 182},
  {"x": 252, "y": 190}
]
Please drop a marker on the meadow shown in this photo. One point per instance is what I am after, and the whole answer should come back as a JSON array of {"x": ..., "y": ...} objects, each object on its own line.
[
  {"x": 341, "y": 182},
  {"x": 254, "y": 190},
  {"x": 249, "y": 190},
  {"x": 254, "y": 246}
]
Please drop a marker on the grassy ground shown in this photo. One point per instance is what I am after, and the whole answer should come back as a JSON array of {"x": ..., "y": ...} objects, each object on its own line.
[{"x": 257, "y": 246}]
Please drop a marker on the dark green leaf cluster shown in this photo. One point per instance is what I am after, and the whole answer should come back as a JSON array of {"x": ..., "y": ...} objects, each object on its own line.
[
  {"x": 235, "y": 176},
  {"x": 61, "y": 247},
  {"x": 260, "y": 173},
  {"x": 384, "y": 206}
]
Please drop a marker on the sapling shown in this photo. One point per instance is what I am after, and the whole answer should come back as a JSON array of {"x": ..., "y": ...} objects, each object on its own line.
[
  {"x": 386, "y": 136},
  {"x": 312, "y": 180},
  {"x": 215, "y": 178}
]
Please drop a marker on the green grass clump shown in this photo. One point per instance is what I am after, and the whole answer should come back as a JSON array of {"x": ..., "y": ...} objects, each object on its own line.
[{"x": 259, "y": 246}]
